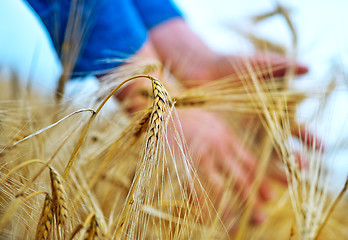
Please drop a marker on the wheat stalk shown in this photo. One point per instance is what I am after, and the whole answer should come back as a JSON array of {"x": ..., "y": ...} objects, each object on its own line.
[
  {"x": 156, "y": 127},
  {"x": 90, "y": 121},
  {"x": 77, "y": 32},
  {"x": 331, "y": 208}
]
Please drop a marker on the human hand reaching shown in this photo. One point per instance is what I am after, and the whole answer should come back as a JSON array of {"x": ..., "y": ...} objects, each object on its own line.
[
  {"x": 194, "y": 63},
  {"x": 222, "y": 160},
  {"x": 263, "y": 65},
  {"x": 218, "y": 152}
]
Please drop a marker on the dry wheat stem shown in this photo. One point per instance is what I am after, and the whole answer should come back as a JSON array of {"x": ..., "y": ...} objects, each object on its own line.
[
  {"x": 52, "y": 125},
  {"x": 331, "y": 208},
  {"x": 223, "y": 95},
  {"x": 80, "y": 22},
  {"x": 141, "y": 126},
  {"x": 16, "y": 168},
  {"x": 278, "y": 128},
  {"x": 114, "y": 147},
  {"x": 46, "y": 164},
  {"x": 264, "y": 160},
  {"x": 155, "y": 133},
  {"x": 306, "y": 219},
  {"x": 285, "y": 13},
  {"x": 312, "y": 201},
  {"x": 264, "y": 16}
]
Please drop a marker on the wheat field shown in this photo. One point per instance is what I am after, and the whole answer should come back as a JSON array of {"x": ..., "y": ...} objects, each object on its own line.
[{"x": 74, "y": 169}]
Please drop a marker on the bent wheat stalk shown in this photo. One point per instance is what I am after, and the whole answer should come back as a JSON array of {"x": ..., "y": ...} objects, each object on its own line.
[
  {"x": 90, "y": 121},
  {"x": 156, "y": 130}
]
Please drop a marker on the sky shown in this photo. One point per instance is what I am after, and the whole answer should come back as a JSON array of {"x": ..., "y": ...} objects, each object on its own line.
[{"x": 25, "y": 47}]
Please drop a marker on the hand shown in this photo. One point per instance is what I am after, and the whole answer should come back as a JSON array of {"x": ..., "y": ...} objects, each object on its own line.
[
  {"x": 190, "y": 59},
  {"x": 264, "y": 65},
  {"x": 219, "y": 155}
]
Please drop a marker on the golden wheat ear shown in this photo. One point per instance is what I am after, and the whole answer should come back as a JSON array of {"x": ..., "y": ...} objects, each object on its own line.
[
  {"x": 91, "y": 229},
  {"x": 159, "y": 113},
  {"x": 59, "y": 200},
  {"x": 308, "y": 185},
  {"x": 44, "y": 226}
]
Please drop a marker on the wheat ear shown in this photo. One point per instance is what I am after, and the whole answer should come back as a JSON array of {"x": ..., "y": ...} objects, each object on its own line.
[
  {"x": 58, "y": 198},
  {"x": 45, "y": 223},
  {"x": 91, "y": 229},
  {"x": 156, "y": 123},
  {"x": 90, "y": 121},
  {"x": 143, "y": 123}
]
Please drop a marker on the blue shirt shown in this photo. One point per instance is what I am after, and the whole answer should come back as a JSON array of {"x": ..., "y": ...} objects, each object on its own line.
[{"x": 113, "y": 29}]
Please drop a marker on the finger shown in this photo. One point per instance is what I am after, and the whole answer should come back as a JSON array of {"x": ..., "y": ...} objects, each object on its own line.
[
  {"x": 237, "y": 178},
  {"x": 217, "y": 185},
  {"x": 211, "y": 175},
  {"x": 265, "y": 190},
  {"x": 302, "y": 161},
  {"x": 242, "y": 155},
  {"x": 257, "y": 216},
  {"x": 224, "y": 172},
  {"x": 308, "y": 137},
  {"x": 243, "y": 169},
  {"x": 242, "y": 183},
  {"x": 213, "y": 187},
  {"x": 249, "y": 164},
  {"x": 275, "y": 65},
  {"x": 277, "y": 172}
]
